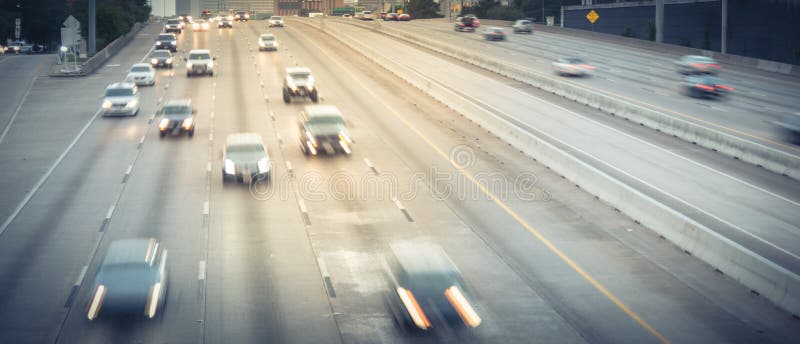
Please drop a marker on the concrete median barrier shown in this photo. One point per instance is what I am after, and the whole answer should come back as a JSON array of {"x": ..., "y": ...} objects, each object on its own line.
[{"x": 757, "y": 273}]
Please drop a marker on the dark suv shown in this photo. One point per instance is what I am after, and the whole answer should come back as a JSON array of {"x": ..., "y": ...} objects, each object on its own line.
[
  {"x": 322, "y": 129},
  {"x": 177, "y": 117},
  {"x": 167, "y": 41},
  {"x": 299, "y": 83}
]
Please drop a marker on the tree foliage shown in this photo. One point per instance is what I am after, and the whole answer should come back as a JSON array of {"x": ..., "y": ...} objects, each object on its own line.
[
  {"x": 419, "y": 9},
  {"x": 492, "y": 9}
]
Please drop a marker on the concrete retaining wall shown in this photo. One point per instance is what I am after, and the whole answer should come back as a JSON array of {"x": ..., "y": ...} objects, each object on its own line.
[
  {"x": 757, "y": 273},
  {"x": 99, "y": 59}
]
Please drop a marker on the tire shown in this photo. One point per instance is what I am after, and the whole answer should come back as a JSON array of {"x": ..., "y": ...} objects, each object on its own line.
[
  {"x": 188, "y": 75},
  {"x": 210, "y": 73},
  {"x": 286, "y": 98},
  {"x": 314, "y": 97},
  {"x": 191, "y": 132},
  {"x": 162, "y": 134}
]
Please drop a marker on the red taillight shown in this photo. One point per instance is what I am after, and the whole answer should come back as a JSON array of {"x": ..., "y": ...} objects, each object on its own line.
[
  {"x": 704, "y": 87},
  {"x": 587, "y": 67},
  {"x": 698, "y": 65},
  {"x": 714, "y": 65},
  {"x": 724, "y": 87}
]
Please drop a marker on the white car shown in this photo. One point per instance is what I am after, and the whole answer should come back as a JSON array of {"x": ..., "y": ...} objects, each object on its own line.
[
  {"x": 142, "y": 74},
  {"x": 200, "y": 25},
  {"x": 121, "y": 98},
  {"x": 275, "y": 21},
  {"x": 572, "y": 67},
  {"x": 199, "y": 61},
  {"x": 267, "y": 41},
  {"x": 245, "y": 159}
]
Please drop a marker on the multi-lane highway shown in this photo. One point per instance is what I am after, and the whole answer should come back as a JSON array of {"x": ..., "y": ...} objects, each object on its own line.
[{"x": 298, "y": 260}]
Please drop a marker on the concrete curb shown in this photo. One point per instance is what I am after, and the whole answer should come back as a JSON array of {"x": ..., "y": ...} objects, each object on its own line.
[
  {"x": 93, "y": 63},
  {"x": 755, "y": 272},
  {"x": 740, "y": 148}
]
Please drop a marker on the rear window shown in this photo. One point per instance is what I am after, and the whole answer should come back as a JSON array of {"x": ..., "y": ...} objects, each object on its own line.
[
  {"x": 160, "y": 54},
  {"x": 173, "y": 21},
  {"x": 176, "y": 110},
  {"x": 140, "y": 69},
  {"x": 201, "y": 56},
  {"x": 166, "y": 37},
  {"x": 119, "y": 92}
]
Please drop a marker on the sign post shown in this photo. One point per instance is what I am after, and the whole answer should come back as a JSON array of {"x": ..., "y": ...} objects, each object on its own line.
[{"x": 592, "y": 16}]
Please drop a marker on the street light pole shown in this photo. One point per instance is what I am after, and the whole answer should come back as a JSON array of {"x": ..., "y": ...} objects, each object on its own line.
[{"x": 92, "y": 28}]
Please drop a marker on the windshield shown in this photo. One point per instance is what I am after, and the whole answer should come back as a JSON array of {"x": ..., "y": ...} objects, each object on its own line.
[
  {"x": 201, "y": 56},
  {"x": 160, "y": 54},
  {"x": 275, "y": 18},
  {"x": 267, "y": 38},
  {"x": 176, "y": 110},
  {"x": 140, "y": 69},
  {"x": 326, "y": 120},
  {"x": 246, "y": 152},
  {"x": 119, "y": 92},
  {"x": 173, "y": 22},
  {"x": 300, "y": 77}
]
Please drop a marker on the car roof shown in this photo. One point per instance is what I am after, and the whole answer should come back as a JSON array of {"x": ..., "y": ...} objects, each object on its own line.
[
  {"x": 267, "y": 35},
  {"x": 131, "y": 251},
  {"x": 417, "y": 257},
  {"x": 243, "y": 139},
  {"x": 322, "y": 111},
  {"x": 200, "y": 51},
  {"x": 179, "y": 102},
  {"x": 141, "y": 65},
  {"x": 121, "y": 85},
  {"x": 292, "y": 70}
]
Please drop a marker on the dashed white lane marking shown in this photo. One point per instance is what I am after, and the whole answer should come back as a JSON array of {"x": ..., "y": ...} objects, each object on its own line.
[
  {"x": 141, "y": 140},
  {"x": 302, "y": 205},
  {"x": 205, "y": 208},
  {"x": 201, "y": 270},
  {"x": 208, "y": 167},
  {"x": 110, "y": 211},
  {"x": 399, "y": 205},
  {"x": 128, "y": 171},
  {"x": 289, "y": 166},
  {"x": 212, "y": 114},
  {"x": 211, "y": 136},
  {"x": 369, "y": 163},
  {"x": 81, "y": 275}
]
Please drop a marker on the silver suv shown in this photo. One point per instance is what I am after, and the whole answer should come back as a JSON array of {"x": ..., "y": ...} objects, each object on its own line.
[{"x": 199, "y": 62}]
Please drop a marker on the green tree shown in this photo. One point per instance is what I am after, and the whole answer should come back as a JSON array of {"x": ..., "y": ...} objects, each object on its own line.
[{"x": 420, "y": 9}]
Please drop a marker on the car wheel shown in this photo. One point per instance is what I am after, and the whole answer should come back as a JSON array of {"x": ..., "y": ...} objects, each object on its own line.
[
  {"x": 188, "y": 75},
  {"x": 161, "y": 134},
  {"x": 314, "y": 97},
  {"x": 191, "y": 132},
  {"x": 286, "y": 98}
]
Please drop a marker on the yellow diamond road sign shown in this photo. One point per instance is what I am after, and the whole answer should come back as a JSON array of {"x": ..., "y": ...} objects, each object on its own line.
[{"x": 592, "y": 16}]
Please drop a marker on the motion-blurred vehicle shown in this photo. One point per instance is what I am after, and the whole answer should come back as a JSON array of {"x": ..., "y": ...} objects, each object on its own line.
[
  {"x": 572, "y": 67},
  {"x": 173, "y": 25},
  {"x": 245, "y": 159},
  {"x": 323, "y": 129},
  {"x": 161, "y": 58},
  {"x": 19, "y": 47},
  {"x": 200, "y": 25},
  {"x": 466, "y": 23},
  {"x": 224, "y": 21},
  {"x": 494, "y": 33},
  {"x": 696, "y": 64},
  {"x": 167, "y": 41},
  {"x": 121, "y": 98},
  {"x": 132, "y": 280},
  {"x": 346, "y": 16},
  {"x": 267, "y": 41},
  {"x": 299, "y": 83},
  {"x": 177, "y": 117},
  {"x": 426, "y": 289},
  {"x": 403, "y": 17},
  {"x": 383, "y": 15},
  {"x": 275, "y": 21},
  {"x": 241, "y": 16},
  {"x": 522, "y": 25},
  {"x": 185, "y": 18},
  {"x": 790, "y": 126},
  {"x": 206, "y": 14},
  {"x": 365, "y": 15},
  {"x": 705, "y": 86},
  {"x": 199, "y": 62},
  {"x": 142, "y": 74},
  {"x": 390, "y": 17}
]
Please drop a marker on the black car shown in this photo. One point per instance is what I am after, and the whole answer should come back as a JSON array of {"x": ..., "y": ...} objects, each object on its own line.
[
  {"x": 425, "y": 289},
  {"x": 241, "y": 16},
  {"x": 323, "y": 130},
  {"x": 132, "y": 279},
  {"x": 161, "y": 58},
  {"x": 706, "y": 86},
  {"x": 167, "y": 41},
  {"x": 177, "y": 118},
  {"x": 173, "y": 25},
  {"x": 299, "y": 83}
]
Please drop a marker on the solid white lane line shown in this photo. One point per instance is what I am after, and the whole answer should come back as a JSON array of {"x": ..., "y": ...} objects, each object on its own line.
[
  {"x": 19, "y": 107},
  {"x": 47, "y": 174},
  {"x": 398, "y": 204},
  {"x": 201, "y": 270},
  {"x": 323, "y": 268}
]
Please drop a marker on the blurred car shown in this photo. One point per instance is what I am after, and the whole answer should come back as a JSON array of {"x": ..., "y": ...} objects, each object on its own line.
[
  {"x": 177, "y": 117},
  {"x": 572, "y": 67},
  {"x": 200, "y": 25},
  {"x": 132, "y": 279},
  {"x": 161, "y": 58},
  {"x": 19, "y": 47},
  {"x": 199, "y": 62},
  {"x": 275, "y": 21},
  {"x": 245, "y": 159},
  {"x": 790, "y": 126},
  {"x": 695, "y": 64},
  {"x": 142, "y": 74},
  {"x": 346, "y": 16},
  {"x": 185, "y": 18},
  {"x": 173, "y": 25},
  {"x": 426, "y": 289},
  {"x": 299, "y": 83},
  {"x": 403, "y": 17},
  {"x": 705, "y": 86},
  {"x": 390, "y": 16},
  {"x": 167, "y": 41},
  {"x": 466, "y": 23},
  {"x": 267, "y": 41},
  {"x": 382, "y": 15},
  {"x": 121, "y": 98},
  {"x": 241, "y": 16},
  {"x": 494, "y": 33},
  {"x": 3, "y": 49},
  {"x": 522, "y": 25},
  {"x": 224, "y": 21},
  {"x": 322, "y": 129}
]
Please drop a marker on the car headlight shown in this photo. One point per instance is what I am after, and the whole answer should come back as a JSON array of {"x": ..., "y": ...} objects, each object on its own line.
[
  {"x": 163, "y": 124},
  {"x": 154, "y": 61},
  {"x": 107, "y": 104},
  {"x": 310, "y": 86},
  {"x": 246, "y": 16},
  {"x": 169, "y": 60},
  {"x": 210, "y": 64},
  {"x": 261, "y": 43},
  {"x": 230, "y": 167},
  {"x": 189, "y": 65},
  {"x": 173, "y": 43},
  {"x": 187, "y": 123},
  {"x": 344, "y": 136},
  {"x": 131, "y": 104},
  {"x": 263, "y": 165}
]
